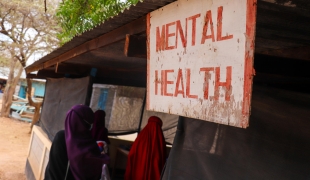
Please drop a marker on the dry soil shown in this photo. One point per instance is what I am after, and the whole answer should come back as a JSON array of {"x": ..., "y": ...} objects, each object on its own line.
[{"x": 14, "y": 142}]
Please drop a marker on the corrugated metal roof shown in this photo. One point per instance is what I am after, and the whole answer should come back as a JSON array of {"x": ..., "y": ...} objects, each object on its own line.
[{"x": 128, "y": 15}]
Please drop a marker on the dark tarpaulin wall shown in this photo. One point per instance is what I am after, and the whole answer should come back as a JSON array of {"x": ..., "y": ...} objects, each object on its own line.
[
  {"x": 276, "y": 145},
  {"x": 60, "y": 95},
  {"x": 169, "y": 123}
]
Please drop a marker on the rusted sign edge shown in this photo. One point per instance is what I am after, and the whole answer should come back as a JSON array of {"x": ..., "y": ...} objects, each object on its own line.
[
  {"x": 148, "y": 76},
  {"x": 249, "y": 57}
]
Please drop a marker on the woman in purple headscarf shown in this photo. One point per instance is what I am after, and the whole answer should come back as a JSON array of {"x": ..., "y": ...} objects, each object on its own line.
[{"x": 83, "y": 153}]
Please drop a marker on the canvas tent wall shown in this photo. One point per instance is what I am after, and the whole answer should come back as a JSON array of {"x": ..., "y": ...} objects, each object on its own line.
[{"x": 60, "y": 96}]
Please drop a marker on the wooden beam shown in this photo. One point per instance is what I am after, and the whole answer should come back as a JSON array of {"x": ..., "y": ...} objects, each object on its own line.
[
  {"x": 280, "y": 79},
  {"x": 135, "y": 46},
  {"x": 32, "y": 76},
  {"x": 43, "y": 74},
  {"x": 300, "y": 84},
  {"x": 134, "y": 27},
  {"x": 72, "y": 69},
  {"x": 120, "y": 73},
  {"x": 141, "y": 82},
  {"x": 302, "y": 53}
]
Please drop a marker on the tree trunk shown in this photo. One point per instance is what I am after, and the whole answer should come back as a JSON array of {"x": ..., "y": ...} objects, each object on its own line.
[
  {"x": 10, "y": 88},
  {"x": 37, "y": 105}
]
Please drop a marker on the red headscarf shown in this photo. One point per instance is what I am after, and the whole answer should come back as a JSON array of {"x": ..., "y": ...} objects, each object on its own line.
[
  {"x": 83, "y": 153},
  {"x": 147, "y": 155},
  {"x": 99, "y": 131}
]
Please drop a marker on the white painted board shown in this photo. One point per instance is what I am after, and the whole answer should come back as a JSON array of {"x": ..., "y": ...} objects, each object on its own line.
[{"x": 200, "y": 60}]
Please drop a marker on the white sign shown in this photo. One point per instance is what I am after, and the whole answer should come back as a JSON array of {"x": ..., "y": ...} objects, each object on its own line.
[{"x": 200, "y": 59}]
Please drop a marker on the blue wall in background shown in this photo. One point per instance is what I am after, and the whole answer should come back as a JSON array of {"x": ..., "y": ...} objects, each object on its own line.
[
  {"x": 22, "y": 92},
  {"x": 37, "y": 85}
]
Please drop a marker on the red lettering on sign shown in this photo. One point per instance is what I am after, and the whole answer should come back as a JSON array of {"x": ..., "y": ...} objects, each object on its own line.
[
  {"x": 193, "y": 18},
  {"x": 162, "y": 82},
  {"x": 226, "y": 84},
  {"x": 207, "y": 77},
  {"x": 182, "y": 36},
  {"x": 177, "y": 85},
  {"x": 188, "y": 85},
  {"x": 208, "y": 20},
  {"x": 169, "y": 35},
  {"x": 219, "y": 25},
  {"x": 160, "y": 39},
  {"x": 166, "y": 82},
  {"x": 157, "y": 81}
]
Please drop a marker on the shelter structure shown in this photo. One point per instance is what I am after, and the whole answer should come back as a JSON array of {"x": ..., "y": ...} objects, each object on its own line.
[{"x": 112, "y": 58}]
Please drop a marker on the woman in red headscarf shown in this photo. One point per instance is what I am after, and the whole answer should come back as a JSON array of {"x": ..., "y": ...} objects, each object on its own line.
[{"x": 147, "y": 155}]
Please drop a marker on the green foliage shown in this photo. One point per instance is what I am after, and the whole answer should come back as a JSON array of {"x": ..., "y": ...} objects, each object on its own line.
[{"x": 78, "y": 16}]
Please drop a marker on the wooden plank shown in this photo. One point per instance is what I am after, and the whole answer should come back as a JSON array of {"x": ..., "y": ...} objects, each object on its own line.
[
  {"x": 65, "y": 68},
  {"x": 302, "y": 53},
  {"x": 135, "y": 27},
  {"x": 45, "y": 161},
  {"x": 135, "y": 46},
  {"x": 264, "y": 6},
  {"x": 283, "y": 34},
  {"x": 41, "y": 168},
  {"x": 44, "y": 73},
  {"x": 30, "y": 144},
  {"x": 122, "y": 81},
  {"x": 286, "y": 82},
  {"x": 39, "y": 144},
  {"x": 263, "y": 44},
  {"x": 120, "y": 73},
  {"x": 32, "y": 76},
  {"x": 26, "y": 116},
  {"x": 283, "y": 22},
  {"x": 48, "y": 73},
  {"x": 282, "y": 66},
  {"x": 34, "y": 153}
]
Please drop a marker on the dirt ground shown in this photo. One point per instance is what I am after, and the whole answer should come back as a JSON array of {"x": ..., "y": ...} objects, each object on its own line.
[{"x": 14, "y": 142}]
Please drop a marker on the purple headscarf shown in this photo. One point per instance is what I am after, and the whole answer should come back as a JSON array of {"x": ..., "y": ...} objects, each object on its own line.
[
  {"x": 83, "y": 153},
  {"x": 99, "y": 131}
]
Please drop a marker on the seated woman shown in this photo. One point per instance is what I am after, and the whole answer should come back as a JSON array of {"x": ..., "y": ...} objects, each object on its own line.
[
  {"x": 85, "y": 158},
  {"x": 99, "y": 131},
  {"x": 76, "y": 144},
  {"x": 147, "y": 155},
  {"x": 57, "y": 166}
]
